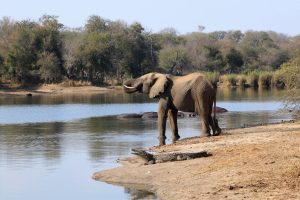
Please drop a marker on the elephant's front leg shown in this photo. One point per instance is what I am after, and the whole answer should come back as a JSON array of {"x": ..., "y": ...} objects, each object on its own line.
[
  {"x": 163, "y": 107},
  {"x": 172, "y": 115}
]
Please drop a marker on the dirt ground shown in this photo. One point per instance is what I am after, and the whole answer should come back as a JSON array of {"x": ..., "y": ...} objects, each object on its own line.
[
  {"x": 54, "y": 89},
  {"x": 252, "y": 163}
]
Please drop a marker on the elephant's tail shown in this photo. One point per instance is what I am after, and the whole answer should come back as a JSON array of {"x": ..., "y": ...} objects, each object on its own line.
[{"x": 214, "y": 117}]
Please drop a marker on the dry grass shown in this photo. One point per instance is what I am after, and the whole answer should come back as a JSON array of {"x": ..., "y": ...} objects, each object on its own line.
[{"x": 74, "y": 83}]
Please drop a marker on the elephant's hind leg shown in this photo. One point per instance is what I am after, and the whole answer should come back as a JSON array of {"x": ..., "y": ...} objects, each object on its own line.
[
  {"x": 204, "y": 112},
  {"x": 214, "y": 126},
  {"x": 172, "y": 115},
  {"x": 205, "y": 125}
]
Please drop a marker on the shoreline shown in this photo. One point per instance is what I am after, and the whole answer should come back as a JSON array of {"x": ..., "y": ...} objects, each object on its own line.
[
  {"x": 56, "y": 89},
  {"x": 256, "y": 163}
]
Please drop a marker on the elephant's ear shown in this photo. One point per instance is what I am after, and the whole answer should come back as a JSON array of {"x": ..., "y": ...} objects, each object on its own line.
[{"x": 159, "y": 86}]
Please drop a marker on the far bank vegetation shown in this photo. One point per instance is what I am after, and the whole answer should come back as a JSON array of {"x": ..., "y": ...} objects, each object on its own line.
[{"x": 105, "y": 52}]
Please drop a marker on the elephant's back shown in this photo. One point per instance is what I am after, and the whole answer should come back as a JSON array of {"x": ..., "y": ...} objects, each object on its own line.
[{"x": 188, "y": 89}]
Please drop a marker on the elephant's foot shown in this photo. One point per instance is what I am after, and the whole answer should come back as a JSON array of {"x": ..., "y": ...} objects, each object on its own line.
[
  {"x": 205, "y": 132},
  {"x": 177, "y": 137},
  {"x": 205, "y": 135},
  {"x": 217, "y": 132},
  {"x": 161, "y": 143},
  {"x": 162, "y": 140}
]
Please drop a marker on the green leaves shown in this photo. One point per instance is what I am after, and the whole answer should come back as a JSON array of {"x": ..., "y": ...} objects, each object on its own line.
[{"x": 29, "y": 41}]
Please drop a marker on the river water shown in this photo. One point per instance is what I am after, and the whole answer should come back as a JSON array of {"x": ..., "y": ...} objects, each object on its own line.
[{"x": 51, "y": 145}]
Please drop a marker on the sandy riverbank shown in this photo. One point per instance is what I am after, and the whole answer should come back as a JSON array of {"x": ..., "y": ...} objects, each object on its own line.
[
  {"x": 55, "y": 89},
  {"x": 252, "y": 163}
]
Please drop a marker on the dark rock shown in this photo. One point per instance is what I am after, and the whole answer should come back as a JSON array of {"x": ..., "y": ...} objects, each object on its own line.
[
  {"x": 180, "y": 114},
  {"x": 187, "y": 114},
  {"x": 149, "y": 115},
  {"x": 130, "y": 115},
  {"x": 29, "y": 95},
  {"x": 220, "y": 110}
]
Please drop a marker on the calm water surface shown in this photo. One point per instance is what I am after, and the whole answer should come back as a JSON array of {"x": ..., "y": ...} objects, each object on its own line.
[{"x": 51, "y": 146}]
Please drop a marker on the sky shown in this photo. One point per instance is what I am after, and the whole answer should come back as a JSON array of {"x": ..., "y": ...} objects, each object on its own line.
[{"x": 282, "y": 16}]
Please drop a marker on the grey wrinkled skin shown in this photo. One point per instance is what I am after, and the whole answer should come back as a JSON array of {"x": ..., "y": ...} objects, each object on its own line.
[{"x": 189, "y": 93}]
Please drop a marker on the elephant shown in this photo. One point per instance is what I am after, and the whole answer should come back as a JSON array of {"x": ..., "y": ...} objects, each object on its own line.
[{"x": 189, "y": 93}]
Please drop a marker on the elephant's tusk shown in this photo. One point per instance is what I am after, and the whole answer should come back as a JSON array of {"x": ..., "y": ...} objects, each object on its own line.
[{"x": 128, "y": 87}]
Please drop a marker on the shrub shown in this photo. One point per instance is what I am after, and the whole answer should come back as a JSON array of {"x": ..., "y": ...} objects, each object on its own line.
[
  {"x": 265, "y": 79},
  {"x": 289, "y": 73},
  {"x": 252, "y": 79},
  {"x": 228, "y": 80},
  {"x": 241, "y": 80},
  {"x": 277, "y": 80}
]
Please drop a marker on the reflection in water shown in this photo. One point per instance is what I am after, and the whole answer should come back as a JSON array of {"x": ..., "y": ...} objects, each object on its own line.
[
  {"x": 31, "y": 141},
  {"x": 61, "y": 154},
  {"x": 248, "y": 94},
  {"x": 103, "y": 98},
  {"x": 98, "y": 136},
  {"x": 56, "y": 159},
  {"x": 244, "y": 119},
  {"x": 139, "y": 194},
  {"x": 67, "y": 112},
  {"x": 223, "y": 94}
]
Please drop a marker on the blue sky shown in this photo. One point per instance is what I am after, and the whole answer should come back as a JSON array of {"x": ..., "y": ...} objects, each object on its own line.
[{"x": 183, "y": 15}]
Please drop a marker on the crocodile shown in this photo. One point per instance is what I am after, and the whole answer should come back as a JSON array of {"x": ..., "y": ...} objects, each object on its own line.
[{"x": 152, "y": 158}]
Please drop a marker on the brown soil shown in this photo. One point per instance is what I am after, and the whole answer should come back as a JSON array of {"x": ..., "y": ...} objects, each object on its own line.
[
  {"x": 54, "y": 89},
  {"x": 252, "y": 163}
]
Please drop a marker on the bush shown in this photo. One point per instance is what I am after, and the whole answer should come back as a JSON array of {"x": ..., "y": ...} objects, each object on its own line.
[
  {"x": 277, "y": 80},
  {"x": 228, "y": 80},
  {"x": 265, "y": 79},
  {"x": 252, "y": 79},
  {"x": 289, "y": 73},
  {"x": 241, "y": 80}
]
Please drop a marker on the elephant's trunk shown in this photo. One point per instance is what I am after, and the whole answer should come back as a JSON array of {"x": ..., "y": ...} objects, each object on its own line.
[
  {"x": 129, "y": 89},
  {"x": 130, "y": 86}
]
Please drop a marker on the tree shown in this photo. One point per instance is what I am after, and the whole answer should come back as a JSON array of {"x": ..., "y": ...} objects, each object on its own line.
[
  {"x": 195, "y": 48},
  {"x": 72, "y": 40},
  {"x": 175, "y": 60},
  {"x": 214, "y": 57},
  {"x": 96, "y": 23},
  {"x": 217, "y": 35},
  {"x": 22, "y": 54},
  {"x": 2, "y": 71},
  {"x": 234, "y": 61},
  {"x": 258, "y": 50},
  {"x": 139, "y": 51},
  {"x": 168, "y": 37},
  {"x": 7, "y": 27},
  {"x": 94, "y": 54},
  {"x": 235, "y": 36},
  {"x": 29, "y": 41},
  {"x": 51, "y": 39},
  {"x": 50, "y": 70}
]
